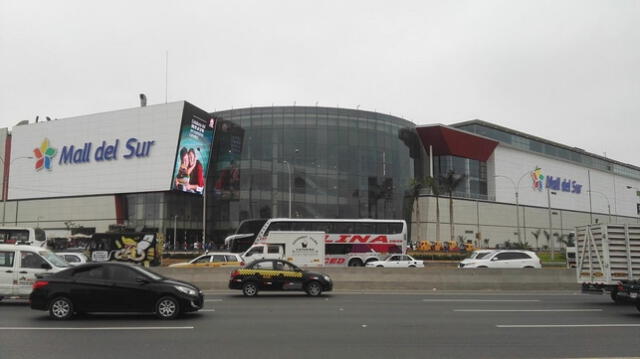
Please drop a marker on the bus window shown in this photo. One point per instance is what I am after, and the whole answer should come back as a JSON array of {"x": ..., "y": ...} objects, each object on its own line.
[
  {"x": 321, "y": 227},
  {"x": 40, "y": 235},
  {"x": 395, "y": 228},
  {"x": 382, "y": 228},
  {"x": 365, "y": 228},
  {"x": 337, "y": 248},
  {"x": 343, "y": 228},
  {"x": 278, "y": 226},
  {"x": 301, "y": 226}
]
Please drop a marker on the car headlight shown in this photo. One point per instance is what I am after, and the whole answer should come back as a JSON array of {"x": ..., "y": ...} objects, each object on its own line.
[
  {"x": 327, "y": 278},
  {"x": 186, "y": 290}
]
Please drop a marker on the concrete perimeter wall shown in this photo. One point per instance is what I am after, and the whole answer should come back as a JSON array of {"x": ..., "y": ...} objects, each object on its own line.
[{"x": 391, "y": 279}]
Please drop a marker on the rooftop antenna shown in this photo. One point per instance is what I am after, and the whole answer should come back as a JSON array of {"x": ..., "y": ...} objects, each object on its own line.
[
  {"x": 37, "y": 119},
  {"x": 143, "y": 100}
]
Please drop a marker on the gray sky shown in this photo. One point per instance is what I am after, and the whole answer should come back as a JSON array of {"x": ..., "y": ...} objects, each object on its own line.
[{"x": 568, "y": 71}]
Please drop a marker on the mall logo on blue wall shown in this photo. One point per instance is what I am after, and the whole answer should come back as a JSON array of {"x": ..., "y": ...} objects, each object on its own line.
[
  {"x": 540, "y": 181},
  {"x": 44, "y": 155}
]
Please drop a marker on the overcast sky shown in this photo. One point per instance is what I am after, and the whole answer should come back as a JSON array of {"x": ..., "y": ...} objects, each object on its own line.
[{"x": 568, "y": 71}]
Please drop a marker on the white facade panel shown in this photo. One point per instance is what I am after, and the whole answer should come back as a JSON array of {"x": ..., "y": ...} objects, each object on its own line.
[
  {"x": 605, "y": 187},
  {"x": 122, "y": 151}
]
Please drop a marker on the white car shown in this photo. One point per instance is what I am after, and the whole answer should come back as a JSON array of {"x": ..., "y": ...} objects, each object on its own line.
[
  {"x": 73, "y": 258},
  {"x": 477, "y": 254},
  {"x": 212, "y": 260},
  {"x": 504, "y": 259},
  {"x": 397, "y": 261},
  {"x": 19, "y": 265}
]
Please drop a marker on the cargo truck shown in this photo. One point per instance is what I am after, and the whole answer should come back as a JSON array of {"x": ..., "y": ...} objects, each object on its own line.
[
  {"x": 304, "y": 249},
  {"x": 607, "y": 255}
]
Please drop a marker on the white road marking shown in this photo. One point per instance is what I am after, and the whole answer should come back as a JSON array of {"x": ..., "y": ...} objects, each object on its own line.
[
  {"x": 527, "y": 310},
  {"x": 566, "y": 325},
  {"x": 94, "y": 328},
  {"x": 481, "y": 300},
  {"x": 213, "y": 300},
  {"x": 207, "y": 310}
]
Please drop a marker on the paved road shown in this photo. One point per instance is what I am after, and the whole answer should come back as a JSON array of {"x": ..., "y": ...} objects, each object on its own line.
[{"x": 340, "y": 325}]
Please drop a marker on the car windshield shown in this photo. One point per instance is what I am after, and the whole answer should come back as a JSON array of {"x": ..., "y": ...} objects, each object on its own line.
[
  {"x": 53, "y": 259},
  {"x": 148, "y": 273},
  {"x": 480, "y": 255}
]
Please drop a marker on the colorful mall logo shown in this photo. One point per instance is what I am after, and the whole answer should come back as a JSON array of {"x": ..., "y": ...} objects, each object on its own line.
[
  {"x": 44, "y": 155},
  {"x": 537, "y": 178},
  {"x": 541, "y": 181}
]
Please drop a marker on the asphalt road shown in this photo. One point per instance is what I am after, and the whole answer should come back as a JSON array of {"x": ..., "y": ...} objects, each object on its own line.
[{"x": 340, "y": 325}]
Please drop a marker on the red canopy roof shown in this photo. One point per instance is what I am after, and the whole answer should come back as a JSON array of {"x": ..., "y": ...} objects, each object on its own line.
[{"x": 450, "y": 141}]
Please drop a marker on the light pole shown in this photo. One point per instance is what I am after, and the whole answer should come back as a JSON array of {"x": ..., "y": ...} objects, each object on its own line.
[
  {"x": 551, "y": 240},
  {"x": 608, "y": 203},
  {"x": 289, "y": 171},
  {"x": 5, "y": 188},
  {"x": 204, "y": 212},
  {"x": 516, "y": 188}
]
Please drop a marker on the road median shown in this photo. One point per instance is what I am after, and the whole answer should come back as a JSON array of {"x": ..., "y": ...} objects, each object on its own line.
[{"x": 390, "y": 279}]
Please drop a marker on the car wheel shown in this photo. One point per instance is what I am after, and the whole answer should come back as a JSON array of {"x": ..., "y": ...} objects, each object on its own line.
[
  {"x": 615, "y": 298},
  {"x": 355, "y": 263},
  {"x": 313, "y": 289},
  {"x": 380, "y": 266},
  {"x": 528, "y": 267},
  {"x": 61, "y": 308},
  {"x": 412, "y": 266},
  {"x": 249, "y": 289},
  {"x": 482, "y": 267},
  {"x": 167, "y": 308}
]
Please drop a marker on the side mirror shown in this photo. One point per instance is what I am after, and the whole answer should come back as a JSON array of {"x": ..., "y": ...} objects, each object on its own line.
[
  {"x": 494, "y": 259},
  {"x": 45, "y": 266},
  {"x": 142, "y": 280}
]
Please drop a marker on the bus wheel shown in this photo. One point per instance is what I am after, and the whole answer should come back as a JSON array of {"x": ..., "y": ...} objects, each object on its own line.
[
  {"x": 614, "y": 297},
  {"x": 355, "y": 263}
]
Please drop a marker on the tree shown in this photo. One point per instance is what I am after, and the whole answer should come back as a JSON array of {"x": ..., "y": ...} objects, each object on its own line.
[
  {"x": 536, "y": 235},
  {"x": 434, "y": 186},
  {"x": 449, "y": 183},
  {"x": 415, "y": 186}
]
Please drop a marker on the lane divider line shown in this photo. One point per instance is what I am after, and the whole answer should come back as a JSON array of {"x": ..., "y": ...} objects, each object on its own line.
[
  {"x": 95, "y": 328},
  {"x": 481, "y": 300},
  {"x": 566, "y": 325},
  {"x": 213, "y": 300},
  {"x": 527, "y": 310}
]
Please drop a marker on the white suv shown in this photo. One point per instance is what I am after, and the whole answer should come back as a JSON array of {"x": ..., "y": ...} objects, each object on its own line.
[{"x": 504, "y": 259}]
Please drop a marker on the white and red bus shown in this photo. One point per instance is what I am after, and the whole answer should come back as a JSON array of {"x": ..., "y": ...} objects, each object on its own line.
[{"x": 348, "y": 242}]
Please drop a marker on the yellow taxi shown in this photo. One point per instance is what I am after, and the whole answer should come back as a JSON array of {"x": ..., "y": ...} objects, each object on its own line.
[{"x": 212, "y": 260}]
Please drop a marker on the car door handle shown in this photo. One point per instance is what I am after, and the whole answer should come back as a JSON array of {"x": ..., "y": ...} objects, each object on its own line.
[
  {"x": 9, "y": 271},
  {"x": 23, "y": 272}
]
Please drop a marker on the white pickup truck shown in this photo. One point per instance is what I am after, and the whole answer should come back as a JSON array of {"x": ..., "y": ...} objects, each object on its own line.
[
  {"x": 606, "y": 255},
  {"x": 304, "y": 249}
]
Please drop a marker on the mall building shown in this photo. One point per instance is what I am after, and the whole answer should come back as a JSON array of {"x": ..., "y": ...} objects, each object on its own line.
[{"x": 177, "y": 169}]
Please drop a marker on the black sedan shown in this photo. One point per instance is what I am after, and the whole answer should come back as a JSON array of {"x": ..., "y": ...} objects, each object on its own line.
[
  {"x": 629, "y": 291},
  {"x": 276, "y": 274},
  {"x": 113, "y": 287}
]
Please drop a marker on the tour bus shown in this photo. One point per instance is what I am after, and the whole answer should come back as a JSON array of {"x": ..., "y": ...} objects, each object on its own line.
[
  {"x": 23, "y": 235},
  {"x": 348, "y": 242},
  {"x": 244, "y": 236}
]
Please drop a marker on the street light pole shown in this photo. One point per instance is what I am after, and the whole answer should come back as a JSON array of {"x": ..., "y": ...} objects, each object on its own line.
[
  {"x": 608, "y": 203},
  {"x": 289, "y": 171},
  {"x": 175, "y": 232},
  {"x": 516, "y": 188},
  {"x": 5, "y": 188},
  {"x": 204, "y": 213},
  {"x": 551, "y": 240}
]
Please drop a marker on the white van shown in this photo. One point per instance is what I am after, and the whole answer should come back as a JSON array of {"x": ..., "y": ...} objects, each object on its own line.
[
  {"x": 304, "y": 249},
  {"x": 23, "y": 235},
  {"x": 19, "y": 265}
]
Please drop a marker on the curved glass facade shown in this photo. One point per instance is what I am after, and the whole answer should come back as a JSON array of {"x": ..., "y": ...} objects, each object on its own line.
[{"x": 339, "y": 163}]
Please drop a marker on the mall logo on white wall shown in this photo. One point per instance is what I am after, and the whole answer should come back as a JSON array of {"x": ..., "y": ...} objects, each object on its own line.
[
  {"x": 44, "y": 155},
  {"x": 540, "y": 181}
]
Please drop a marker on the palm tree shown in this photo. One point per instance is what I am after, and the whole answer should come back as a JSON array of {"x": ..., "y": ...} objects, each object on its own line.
[
  {"x": 434, "y": 186},
  {"x": 415, "y": 186},
  {"x": 449, "y": 183},
  {"x": 536, "y": 235}
]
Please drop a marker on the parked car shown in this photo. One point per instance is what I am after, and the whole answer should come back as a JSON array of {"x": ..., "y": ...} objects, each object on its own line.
[
  {"x": 73, "y": 258},
  {"x": 19, "y": 265},
  {"x": 504, "y": 259},
  {"x": 212, "y": 259},
  {"x": 113, "y": 287},
  {"x": 276, "y": 274},
  {"x": 397, "y": 261},
  {"x": 477, "y": 254}
]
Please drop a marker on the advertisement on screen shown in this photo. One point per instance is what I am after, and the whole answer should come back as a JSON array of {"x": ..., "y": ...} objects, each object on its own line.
[{"x": 194, "y": 151}]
